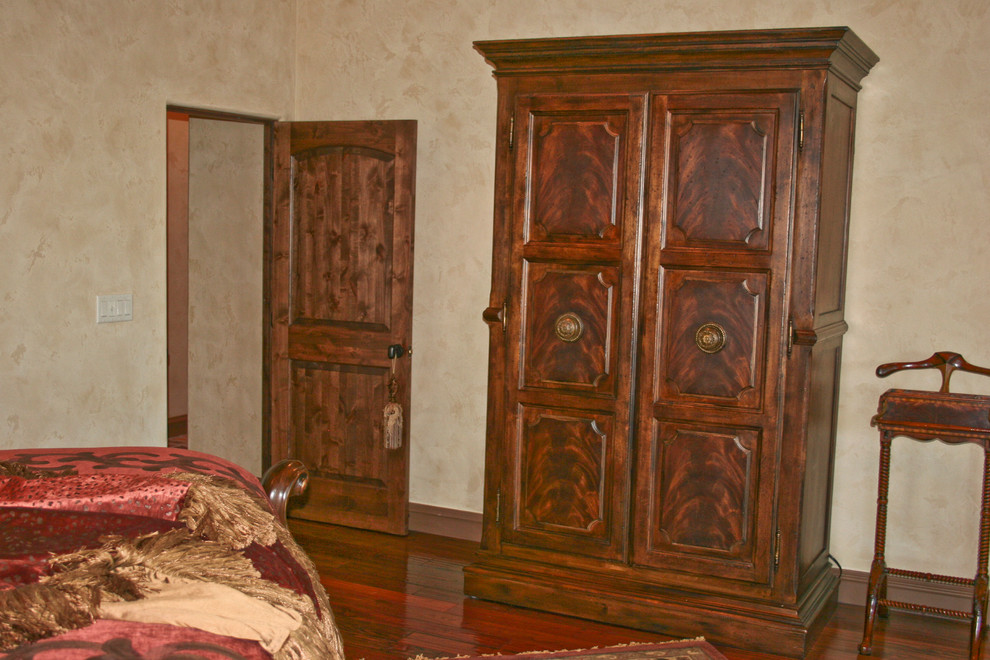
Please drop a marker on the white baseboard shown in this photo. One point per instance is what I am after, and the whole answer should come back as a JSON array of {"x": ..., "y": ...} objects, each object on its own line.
[{"x": 466, "y": 525}]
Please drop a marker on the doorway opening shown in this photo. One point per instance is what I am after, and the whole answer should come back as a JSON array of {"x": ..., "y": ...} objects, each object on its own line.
[{"x": 216, "y": 170}]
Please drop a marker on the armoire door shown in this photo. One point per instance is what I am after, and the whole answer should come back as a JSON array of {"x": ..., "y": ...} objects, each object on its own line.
[
  {"x": 713, "y": 337},
  {"x": 575, "y": 216},
  {"x": 340, "y": 293}
]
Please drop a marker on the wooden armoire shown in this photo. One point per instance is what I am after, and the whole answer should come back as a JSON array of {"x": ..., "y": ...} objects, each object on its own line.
[{"x": 666, "y": 323}]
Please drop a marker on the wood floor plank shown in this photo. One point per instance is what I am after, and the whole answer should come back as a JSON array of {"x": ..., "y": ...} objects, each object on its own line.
[{"x": 396, "y": 597}]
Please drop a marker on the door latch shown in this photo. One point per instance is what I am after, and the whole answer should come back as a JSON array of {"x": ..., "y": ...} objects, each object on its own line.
[{"x": 396, "y": 351}]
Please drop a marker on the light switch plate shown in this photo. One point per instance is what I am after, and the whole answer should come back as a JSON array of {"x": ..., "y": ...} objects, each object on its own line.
[{"x": 110, "y": 309}]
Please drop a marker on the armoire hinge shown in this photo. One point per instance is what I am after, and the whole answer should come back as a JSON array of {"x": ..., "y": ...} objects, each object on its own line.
[
  {"x": 776, "y": 550},
  {"x": 498, "y": 506},
  {"x": 512, "y": 130},
  {"x": 800, "y": 131}
]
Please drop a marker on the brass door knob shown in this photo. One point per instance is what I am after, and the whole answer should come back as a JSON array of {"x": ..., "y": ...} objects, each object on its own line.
[
  {"x": 569, "y": 327},
  {"x": 710, "y": 337}
]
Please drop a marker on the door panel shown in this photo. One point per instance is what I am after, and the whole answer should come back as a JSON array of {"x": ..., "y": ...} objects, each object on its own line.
[
  {"x": 565, "y": 489},
  {"x": 570, "y": 322},
  {"x": 711, "y": 354},
  {"x": 706, "y": 499},
  {"x": 714, "y": 330},
  {"x": 706, "y": 488},
  {"x": 575, "y": 169},
  {"x": 343, "y": 198},
  {"x": 722, "y": 171},
  {"x": 573, "y": 261},
  {"x": 340, "y": 273}
]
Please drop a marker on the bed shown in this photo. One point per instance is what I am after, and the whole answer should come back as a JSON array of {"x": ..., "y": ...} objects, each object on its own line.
[{"x": 154, "y": 553}]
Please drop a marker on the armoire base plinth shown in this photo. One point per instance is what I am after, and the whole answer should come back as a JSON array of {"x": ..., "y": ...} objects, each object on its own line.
[{"x": 767, "y": 628}]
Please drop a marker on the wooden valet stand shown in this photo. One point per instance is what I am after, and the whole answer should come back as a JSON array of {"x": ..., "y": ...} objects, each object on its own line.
[{"x": 925, "y": 416}]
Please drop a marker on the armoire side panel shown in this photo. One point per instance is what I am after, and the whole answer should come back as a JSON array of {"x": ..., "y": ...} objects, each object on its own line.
[
  {"x": 840, "y": 118},
  {"x": 817, "y": 490}
]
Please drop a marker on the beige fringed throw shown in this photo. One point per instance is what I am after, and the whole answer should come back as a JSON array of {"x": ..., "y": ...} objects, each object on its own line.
[
  {"x": 223, "y": 511},
  {"x": 14, "y": 469},
  {"x": 209, "y": 606}
]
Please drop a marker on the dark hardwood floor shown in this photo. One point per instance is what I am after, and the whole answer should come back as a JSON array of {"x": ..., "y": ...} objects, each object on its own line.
[{"x": 397, "y": 597}]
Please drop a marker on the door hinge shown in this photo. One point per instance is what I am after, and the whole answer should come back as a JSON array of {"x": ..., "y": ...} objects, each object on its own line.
[
  {"x": 790, "y": 335},
  {"x": 498, "y": 505},
  {"x": 512, "y": 131},
  {"x": 776, "y": 551},
  {"x": 801, "y": 130}
]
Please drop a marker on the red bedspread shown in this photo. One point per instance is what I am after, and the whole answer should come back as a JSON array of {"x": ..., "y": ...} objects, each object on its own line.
[{"x": 149, "y": 522}]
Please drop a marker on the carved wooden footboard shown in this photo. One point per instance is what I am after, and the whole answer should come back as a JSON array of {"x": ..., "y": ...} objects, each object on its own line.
[{"x": 286, "y": 479}]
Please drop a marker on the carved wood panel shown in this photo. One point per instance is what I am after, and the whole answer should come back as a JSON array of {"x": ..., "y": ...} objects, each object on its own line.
[
  {"x": 575, "y": 170},
  {"x": 335, "y": 410},
  {"x": 570, "y": 320},
  {"x": 720, "y": 178},
  {"x": 564, "y": 497},
  {"x": 580, "y": 159},
  {"x": 713, "y": 330},
  {"x": 704, "y": 499}
]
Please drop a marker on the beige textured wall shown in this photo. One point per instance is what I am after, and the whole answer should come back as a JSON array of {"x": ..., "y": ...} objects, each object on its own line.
[
  {"x": 917, "y": 269},
  {"x": 82, "y": 194},
  {"x": 226, "y": 168}
]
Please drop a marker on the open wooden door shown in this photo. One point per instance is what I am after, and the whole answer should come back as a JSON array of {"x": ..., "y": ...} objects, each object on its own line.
[{"x": 339, "y": 260}]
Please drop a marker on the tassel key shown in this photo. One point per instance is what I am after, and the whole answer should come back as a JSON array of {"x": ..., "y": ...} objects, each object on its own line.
[{"x": 393, "y": 414}]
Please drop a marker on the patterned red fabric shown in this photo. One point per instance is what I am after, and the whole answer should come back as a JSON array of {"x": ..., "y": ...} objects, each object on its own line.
[
  {"x": 123, "y": 640},
  {"x": 130, "y": 494},
  {"x": 132, "y": 460},
  {"x": 276, "y": 564}
]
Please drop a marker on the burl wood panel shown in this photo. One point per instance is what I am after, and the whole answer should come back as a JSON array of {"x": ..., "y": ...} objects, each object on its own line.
[
  {"x": 564, "y": 494},
  {"x": 335, "y": 410},
  {"x": 574, "y": 177},
  {"x": 580, "y": 300},
  {"x": 707, "y": 505},
  {"x": 721, "y": 178},
  {"x": 705, "y": 491},
  {"x": 736, "y": 302},
  {"x": 342, "y": 216}
]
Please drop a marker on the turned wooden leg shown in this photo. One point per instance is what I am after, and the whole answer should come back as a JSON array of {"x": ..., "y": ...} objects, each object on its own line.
[
  {"x": 980, "y": 583},
  {"x": 877, "y": 589}
]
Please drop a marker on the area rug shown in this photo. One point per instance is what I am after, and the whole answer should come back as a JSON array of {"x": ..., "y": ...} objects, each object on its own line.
[{"x": 688, "y": 649}]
